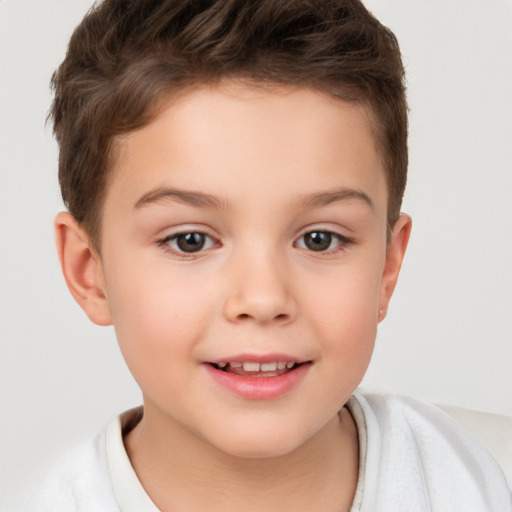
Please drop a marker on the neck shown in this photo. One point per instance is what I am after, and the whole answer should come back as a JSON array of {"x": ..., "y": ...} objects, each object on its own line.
[{"x": 181, "y": 471}]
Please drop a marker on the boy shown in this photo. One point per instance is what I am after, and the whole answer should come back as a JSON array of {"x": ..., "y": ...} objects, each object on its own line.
[{"x": 233, "y": 173}]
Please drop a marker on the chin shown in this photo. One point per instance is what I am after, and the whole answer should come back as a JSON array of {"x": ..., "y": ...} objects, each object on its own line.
[{"x": 260, "y": 442}]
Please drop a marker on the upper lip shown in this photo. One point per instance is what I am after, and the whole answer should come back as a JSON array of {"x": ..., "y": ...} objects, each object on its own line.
[{"x": 259, "y": 358}]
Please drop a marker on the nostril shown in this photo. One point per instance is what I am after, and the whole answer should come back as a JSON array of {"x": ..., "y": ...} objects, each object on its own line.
[{"x": 245, "y": 316}]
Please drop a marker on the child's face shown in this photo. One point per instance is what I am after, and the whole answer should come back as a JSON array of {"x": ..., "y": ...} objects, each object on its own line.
[{"x": 248, "y": 226}]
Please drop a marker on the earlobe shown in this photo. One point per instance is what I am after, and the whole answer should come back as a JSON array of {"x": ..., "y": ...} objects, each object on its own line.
[
  {"x": 394, "y": 258},
  {"x": 82, "y": 268}
]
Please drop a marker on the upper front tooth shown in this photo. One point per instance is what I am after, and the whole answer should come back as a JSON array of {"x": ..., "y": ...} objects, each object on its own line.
[
  {"x": 252, "y": 367},
  {"x": 268, "y": 367}
]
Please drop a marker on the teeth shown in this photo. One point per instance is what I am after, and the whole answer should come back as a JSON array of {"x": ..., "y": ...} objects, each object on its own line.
[{"x": 252, "y": 367}]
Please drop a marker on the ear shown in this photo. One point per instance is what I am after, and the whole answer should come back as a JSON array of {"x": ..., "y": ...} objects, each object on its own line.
[
  {"x": 394, "y": 256},
  {"x": 82, "y": 268}
]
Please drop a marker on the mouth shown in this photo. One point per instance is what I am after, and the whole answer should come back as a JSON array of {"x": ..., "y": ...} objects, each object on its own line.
[
  {"x": 259, "y": 378},
  {"x": 257, "y": 369}
]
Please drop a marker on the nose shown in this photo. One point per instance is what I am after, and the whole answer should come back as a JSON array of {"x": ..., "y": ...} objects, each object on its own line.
[{"x": 259, "y": 291}]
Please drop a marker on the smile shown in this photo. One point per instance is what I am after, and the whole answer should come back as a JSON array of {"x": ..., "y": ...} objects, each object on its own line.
[
  {"x": 255, "y": 369},
  {"x": 256, "y": 380}
]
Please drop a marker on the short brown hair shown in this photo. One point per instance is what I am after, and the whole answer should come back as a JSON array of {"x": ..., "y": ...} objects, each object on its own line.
[{"x": 126, "y": 56}]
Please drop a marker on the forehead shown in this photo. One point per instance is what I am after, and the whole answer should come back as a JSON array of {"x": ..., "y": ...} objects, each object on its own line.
[{"x": 229, "y": 138}]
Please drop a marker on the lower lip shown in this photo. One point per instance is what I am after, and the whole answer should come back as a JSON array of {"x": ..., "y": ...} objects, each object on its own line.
[{"x": 259, "y": 388}]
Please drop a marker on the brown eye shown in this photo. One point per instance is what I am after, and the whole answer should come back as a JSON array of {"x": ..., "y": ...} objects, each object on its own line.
[
  {"x": 190, "y": 242},
  {"x": 318, "y": 240},
  {"x": 321, "y": 241}
]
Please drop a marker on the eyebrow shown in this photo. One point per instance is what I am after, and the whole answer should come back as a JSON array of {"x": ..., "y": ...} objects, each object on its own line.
[
  {"x": 198, "y": 199},
  {"x": 333, "y": 196},
  {"x": 203, "y": 200}
]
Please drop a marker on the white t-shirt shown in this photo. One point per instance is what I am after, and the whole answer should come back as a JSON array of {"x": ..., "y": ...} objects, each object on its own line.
[{"x": 413, "y": 458}]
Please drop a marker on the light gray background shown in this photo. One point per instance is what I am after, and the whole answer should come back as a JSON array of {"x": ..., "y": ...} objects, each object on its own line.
[{"x": 448, "y": 334}]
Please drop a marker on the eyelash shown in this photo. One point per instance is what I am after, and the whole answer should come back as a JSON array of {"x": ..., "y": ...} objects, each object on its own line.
[
  {"x": 166, "y": 241},
  {"x": 341, "y": 243}
]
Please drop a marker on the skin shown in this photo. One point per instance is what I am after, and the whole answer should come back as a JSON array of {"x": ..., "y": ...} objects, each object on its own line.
[{"x": 278, "y": 163}]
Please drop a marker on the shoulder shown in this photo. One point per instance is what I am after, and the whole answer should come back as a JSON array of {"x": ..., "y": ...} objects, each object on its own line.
[
  {"x": 78, "y": 481},
  {"x": 419, "y": 456},
  {"x": 494, "y": 431}
]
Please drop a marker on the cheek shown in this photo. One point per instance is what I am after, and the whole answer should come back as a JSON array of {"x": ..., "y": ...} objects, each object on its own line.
[
  {"x": 349, "y": 294},
  {"x": 344, "y": 314},
  {"x": 158, "y": 320}
]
